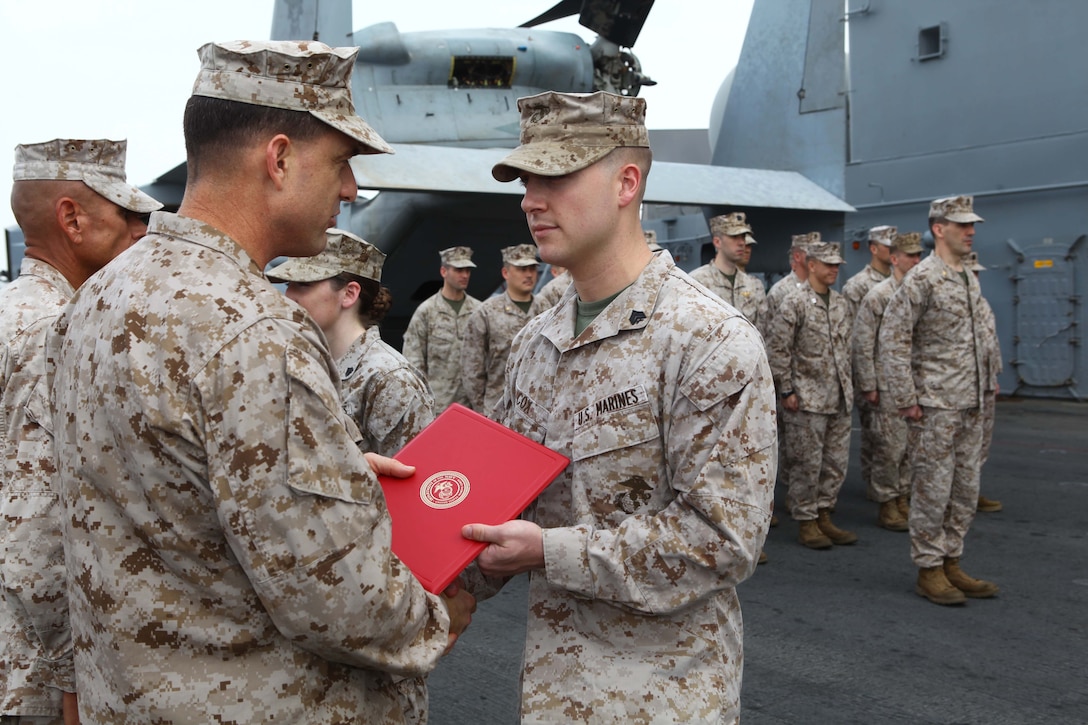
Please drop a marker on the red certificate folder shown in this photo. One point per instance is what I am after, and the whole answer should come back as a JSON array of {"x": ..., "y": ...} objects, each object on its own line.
[{"x": 469, "y": 469}]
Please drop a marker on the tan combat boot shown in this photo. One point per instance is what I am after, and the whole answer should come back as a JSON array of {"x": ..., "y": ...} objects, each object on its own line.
[
  {"x": 890, "y": 518},
  {"x": 974, "y": 588},
  {"x": 811, "y": 536},
  {"x": 903, "y": 504},
  {"x": 988, "y": 505},
  {"x": 934, "y": 586},
  {"x": 838, "y": 536},
  {"x": 762, "y": 557}
]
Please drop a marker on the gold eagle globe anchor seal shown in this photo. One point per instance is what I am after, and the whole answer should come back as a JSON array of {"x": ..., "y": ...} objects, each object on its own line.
[{"x": 444, "y": 489}]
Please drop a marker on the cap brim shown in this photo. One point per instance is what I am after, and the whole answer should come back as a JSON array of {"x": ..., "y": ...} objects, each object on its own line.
[
  {"x": 524, "y": 263},
  {"x": 356, "y": 128},
  {"x": 122, "y": 194},
  {"x": 548, "y": 159},
  {"x": 966, "y": 218},
  {"x": 300, "y": 270},
  {"x": 462, "y": 265}
]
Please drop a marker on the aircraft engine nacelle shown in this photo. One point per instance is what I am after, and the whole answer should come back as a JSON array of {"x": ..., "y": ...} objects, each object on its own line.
[{"x": 461, "y": 87}]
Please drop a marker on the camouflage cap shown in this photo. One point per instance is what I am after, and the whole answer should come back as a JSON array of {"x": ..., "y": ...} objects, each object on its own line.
[
  {"x": 731, "y": 225},
  {"x": 826, "y": 252},
  {"x": 520, "y": 255},
  {"x": 344, "y": 252},
  {"x": 802, "y": 241},
  {"x": 564, "y": 132},
  {"x": 297, "y": 75},
  {"x": 883, "y": 235},
  {"x": 908, "y": 243},
  {"x": 958, "y": 209},
  {"x": 651, "y": 240},
  {"x": 457, "y": 257},
  {"x": 98, "y": 163},
  {"x": 970, "y": 261}
]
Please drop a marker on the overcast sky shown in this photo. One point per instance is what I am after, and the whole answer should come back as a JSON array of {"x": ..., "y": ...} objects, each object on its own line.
[{"x": 125, "y": 68}]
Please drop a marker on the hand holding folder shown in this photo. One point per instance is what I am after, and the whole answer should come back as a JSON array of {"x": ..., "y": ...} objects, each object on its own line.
[{"x": 463, "y": 464}]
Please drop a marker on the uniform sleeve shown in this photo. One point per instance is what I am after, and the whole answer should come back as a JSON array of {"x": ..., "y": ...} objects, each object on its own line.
[
  {"x": 721, "y": 452},
  {"x": 414, "y": 347},
  {"x": 863, "y": 343},
  {"x": 780, "y": 341},
  {"x": 302, "y": 511},
  {"x": 896, "y": 341},
  {"x": 32, "y": 548},
  {"x": 399, "y": 406},
  {"x": 474, "y": 360}
]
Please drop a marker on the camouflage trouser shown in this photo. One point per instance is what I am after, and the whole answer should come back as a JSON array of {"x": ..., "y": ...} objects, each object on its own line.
[
  {"x": 867, "y": 413},
  {"x": 890, "y": 472},
  {"x": 31, "y": 720},
  {"x": 989, "y": 410},
  {"x": 944, "y": 451},
  {"x": 817, "y": 451},
  {"x": 783, "y": 462}
]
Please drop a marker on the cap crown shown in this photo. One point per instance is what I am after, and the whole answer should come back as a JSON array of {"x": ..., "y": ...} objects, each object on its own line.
[
  {"x": 908, "y": 243},
  {"x": 883, "y": 235},
  {"x": 826, "y": 252},
  {"x": 564, "y": 132},
  {"x": 733, "y": 225},
  {"x": 98, "y": 163},
  {"x": 958, "y": 209},
  {"x": 295, "y": 75},
  {"x": 520, "y": 255},
  {"x": 344, "y": 252},
  {"x": 457, "y": 257}
]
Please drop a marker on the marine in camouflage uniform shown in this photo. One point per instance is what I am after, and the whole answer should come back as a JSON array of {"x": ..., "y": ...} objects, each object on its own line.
[
  {"x": 722, "y": 275},
  {"x": 853, "y": 291},
  {"x": 485, "y": 343},
  {"x": 432, "y": 342},
  {"x": 226, "y": 540},
  {"x": 890, "y": 475},
  {"x": 791, "y": 282},
  {"x": 384, "y": 395},
  {"x": 550, "y": 293},
  {"x": 993, "y": 370},
  {"x": 809, "y": 352},
  {"x": 664, "y": 403},
  {"x": 341, "y": 289},
  {"x": 76, "y": 210},
  {"x": 934, "y": 363}
]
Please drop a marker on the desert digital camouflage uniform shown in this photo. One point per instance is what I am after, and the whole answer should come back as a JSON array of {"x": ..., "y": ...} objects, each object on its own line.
[
  {"x": 778, "y": 291},
  {"x": 485, "y": 346},
  {"x": 553, "y": 291},
  {"x": 432, "y": 344},
  {"x": 854, "y": 291},
  {"x": 889, "y": 473},
  {"x": 855, "y": 288},
  {"x": 992, "y": 369},
  {"x": 934, "y": 350},
  {"x": 809, "y": 352},
  {"x": 35, "y": 642},
  {"x": 383, "y": 394},
  {"x": 235, "y": 560},
  {"x": 665, "y": 406},
  {"x": 745, "y": 292}
]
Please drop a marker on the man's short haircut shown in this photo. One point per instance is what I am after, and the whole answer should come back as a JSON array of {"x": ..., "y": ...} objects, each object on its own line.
[
  {"x": 640, "y": 156},
  {"x": 215, "y": 127}
]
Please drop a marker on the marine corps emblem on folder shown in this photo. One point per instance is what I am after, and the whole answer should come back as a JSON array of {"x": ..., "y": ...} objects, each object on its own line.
[{"x": 444, "y": 490}]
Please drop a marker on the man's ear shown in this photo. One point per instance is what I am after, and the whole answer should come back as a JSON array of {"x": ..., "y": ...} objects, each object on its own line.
[
  {"x": 69, "y": 215},
  {"x": 630, "y": 177},
  {"x": 278, "y": 157}
]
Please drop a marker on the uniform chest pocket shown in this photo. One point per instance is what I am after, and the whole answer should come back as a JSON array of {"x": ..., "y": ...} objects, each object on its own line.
[{"x": 614, "y": 430}]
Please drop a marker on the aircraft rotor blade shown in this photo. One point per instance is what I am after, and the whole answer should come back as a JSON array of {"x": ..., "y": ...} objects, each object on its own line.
[
  {"x": 562, "y": 9},
  {"x": 620, "y": 21}
]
